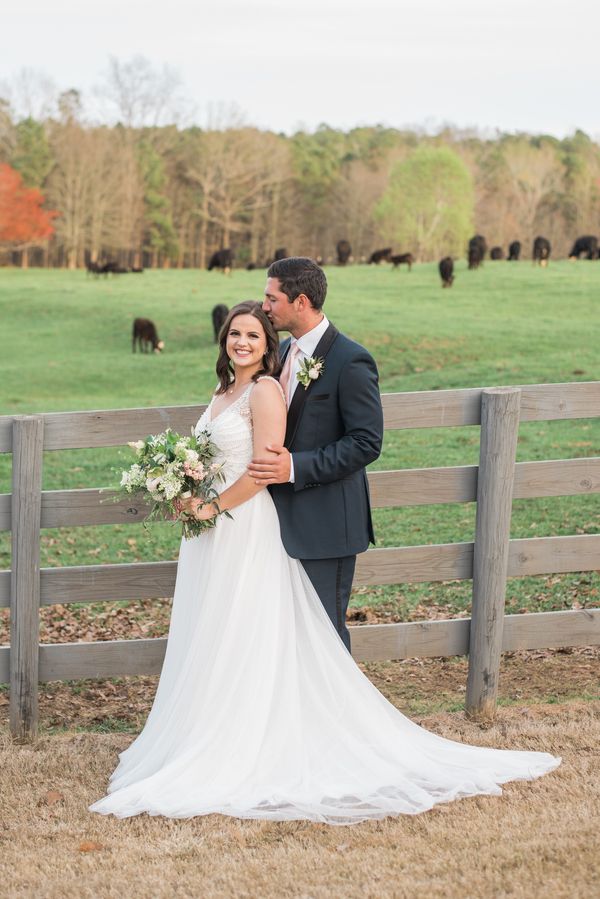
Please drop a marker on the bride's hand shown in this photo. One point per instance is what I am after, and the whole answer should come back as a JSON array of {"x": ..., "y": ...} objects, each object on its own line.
[
  {"x": 195, "y": 508},
  {"x": 205, "y": 511}
]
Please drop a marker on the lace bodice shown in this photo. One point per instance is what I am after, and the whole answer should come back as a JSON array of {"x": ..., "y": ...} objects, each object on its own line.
[{"x": 231, "y": 430}]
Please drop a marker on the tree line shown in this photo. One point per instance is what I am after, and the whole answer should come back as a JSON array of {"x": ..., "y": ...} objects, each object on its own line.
[{"x": 156, "y": 194}]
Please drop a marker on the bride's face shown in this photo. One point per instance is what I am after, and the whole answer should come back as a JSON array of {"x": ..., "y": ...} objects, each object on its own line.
[{"x": 246, "y": 342}]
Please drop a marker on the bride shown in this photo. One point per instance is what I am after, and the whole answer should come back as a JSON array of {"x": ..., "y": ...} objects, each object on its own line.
[{"x": 261, "y": 711}]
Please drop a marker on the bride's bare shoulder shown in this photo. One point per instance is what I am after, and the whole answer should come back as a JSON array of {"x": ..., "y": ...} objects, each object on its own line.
[{"x": 266, "y": 389}]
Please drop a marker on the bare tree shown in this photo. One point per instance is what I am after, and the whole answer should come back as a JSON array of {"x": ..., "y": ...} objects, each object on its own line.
[{"x": 140, "y": 94}]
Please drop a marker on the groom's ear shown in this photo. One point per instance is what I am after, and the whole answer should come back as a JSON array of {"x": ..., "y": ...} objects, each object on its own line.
[{"x": 303, "y": 302}]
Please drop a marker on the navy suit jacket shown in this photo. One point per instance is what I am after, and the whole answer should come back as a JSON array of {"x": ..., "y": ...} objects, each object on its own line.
[{"x": 334, "y": 429}]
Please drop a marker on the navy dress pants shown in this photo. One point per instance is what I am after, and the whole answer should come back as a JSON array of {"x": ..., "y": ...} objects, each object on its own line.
[{"x": 332, "y": 579}]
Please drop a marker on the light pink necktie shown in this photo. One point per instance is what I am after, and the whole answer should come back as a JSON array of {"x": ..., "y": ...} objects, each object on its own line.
[{"x": 285, "y": 378}]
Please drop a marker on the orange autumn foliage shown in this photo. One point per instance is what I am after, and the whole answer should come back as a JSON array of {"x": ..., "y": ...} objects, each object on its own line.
[{"x": 22, "y": 219}]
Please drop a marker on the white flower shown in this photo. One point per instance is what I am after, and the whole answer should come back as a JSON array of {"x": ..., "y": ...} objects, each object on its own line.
[
  {"x": 181, "y": 448},
  {"x": 152, "y": 484},
  {"x": 137, "y": 445},
  {"x": 310, "y": 370}
]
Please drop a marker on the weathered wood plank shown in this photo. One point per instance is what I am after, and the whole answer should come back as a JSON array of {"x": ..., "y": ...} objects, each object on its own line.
[
  {"x": 373, "y": 642},
  {"x": 415, "y": 564},
  {"x": 499, "y": 432},
  {"x": 99, "y": 583},
  {"x": 414, "y": 639},
  {"x": 419, "y": 409},
  {"x": 111, "y": 658},
  {"x": 107, "y": 427},
  {"x": 406, "y": 487},
  {"x": 28, "y": 441},
  {"x": 547, "y": 630},
  {"x": 452, "y": 408},
  {"x": 559, "y": 477},
  {"x": 554, "y": 555},
  {"x": 396, "y": 565},
  {"x": 4, "y": 664},
  {"x": 5, "y": 588}
]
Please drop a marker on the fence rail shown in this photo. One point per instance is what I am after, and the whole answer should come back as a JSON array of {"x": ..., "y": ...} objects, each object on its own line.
[{"x": 489, "y": 560}]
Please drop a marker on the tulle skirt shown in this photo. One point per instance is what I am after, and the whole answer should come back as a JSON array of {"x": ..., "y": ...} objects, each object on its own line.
[{"x": 261, "y": 712}]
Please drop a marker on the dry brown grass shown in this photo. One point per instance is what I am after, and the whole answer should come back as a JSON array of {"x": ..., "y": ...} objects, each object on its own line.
[{"x": 537, "y": 839}]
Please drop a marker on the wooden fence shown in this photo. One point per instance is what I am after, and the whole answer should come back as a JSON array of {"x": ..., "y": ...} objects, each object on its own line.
[{"x": 488, "y": 561}]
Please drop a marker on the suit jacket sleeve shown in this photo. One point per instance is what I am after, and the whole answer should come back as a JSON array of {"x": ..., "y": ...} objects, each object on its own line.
[{"x": 362, "y": 416}]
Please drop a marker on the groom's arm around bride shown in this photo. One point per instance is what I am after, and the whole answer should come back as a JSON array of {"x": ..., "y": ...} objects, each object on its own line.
[{"x": 334, "y": 430}]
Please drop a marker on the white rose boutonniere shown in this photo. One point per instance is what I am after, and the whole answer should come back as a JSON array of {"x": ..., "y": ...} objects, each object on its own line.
[{"x": 310, "y": 370}]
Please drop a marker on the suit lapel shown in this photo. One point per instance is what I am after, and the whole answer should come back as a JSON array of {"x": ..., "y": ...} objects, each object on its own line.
[
  {"x": 300, "y": 394},
  {"x": 284, "y": 349}
]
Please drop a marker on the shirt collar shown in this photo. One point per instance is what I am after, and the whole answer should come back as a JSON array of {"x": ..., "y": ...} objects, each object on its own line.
[{"x": 308, "y": 342}]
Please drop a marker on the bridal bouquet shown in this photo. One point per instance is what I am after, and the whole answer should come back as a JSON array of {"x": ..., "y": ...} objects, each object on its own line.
[{"x": 170, "y": 467}]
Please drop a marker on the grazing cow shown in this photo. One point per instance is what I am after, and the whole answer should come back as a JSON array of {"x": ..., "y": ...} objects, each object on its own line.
[
  {"x": 403, "y": 259},
  {"x": 144, "y": 332},
  {"x": 93, "y": 268},
  {"x": 218, "y": 315},
  {"x": 250, "y": 266},
  {"x": 344, "y": 252},
  {"x": 137, "y": 270},
  {"x": 380, "y": 256},
  {"x": 587, "y": 244},
  {"x": 514, "y": 251},
  {"x": 496, "y": 253},
  {"x": 541, "y": 250},
  {"x": 222, "y": 259},
  {"x": 281, "y": 253},
  {"x": 477, "y": 251},
  {"x": 446, "y": 267}
]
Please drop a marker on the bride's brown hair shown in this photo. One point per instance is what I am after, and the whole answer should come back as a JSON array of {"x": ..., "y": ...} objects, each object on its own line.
[{"x": 271, "y": 364}]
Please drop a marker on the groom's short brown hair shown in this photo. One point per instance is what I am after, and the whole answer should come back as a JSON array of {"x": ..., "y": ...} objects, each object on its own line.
[{"x": 299, "y": 274}]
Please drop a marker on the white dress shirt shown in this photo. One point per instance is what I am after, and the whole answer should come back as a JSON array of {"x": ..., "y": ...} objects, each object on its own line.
[{"x": 307, "y": 345}]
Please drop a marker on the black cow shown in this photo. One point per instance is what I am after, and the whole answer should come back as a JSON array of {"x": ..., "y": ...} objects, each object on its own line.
[
  {"x": 380, "y": 256},
  {"x": 137, "y": 270},
  {"x": 281, "y": 253},
  {"x": 144, "y": 332},
  {"x": 218, "y": 315},
  {"x": 541, "y": 250},
  {"x": 250, "y": 266},
  {"x": 446, "y": 267},
  {"x": 587, "y": 244},
  {"x": 477, "y": 251},
  {"x": 514, "y": 251},
  {"x": 344, "y": 252},
  {"x": 222, "y": 259},
  {"x": 496, "y": 253},
  {"x": 93, "y": 268},
  {"x": 403, "y": 259}
]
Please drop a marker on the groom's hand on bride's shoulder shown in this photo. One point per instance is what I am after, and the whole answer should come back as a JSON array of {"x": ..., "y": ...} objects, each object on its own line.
[{"x": 274, "y": 469}]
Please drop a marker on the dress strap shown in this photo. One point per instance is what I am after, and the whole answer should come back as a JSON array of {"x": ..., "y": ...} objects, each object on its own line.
[{"x": 275, "y": 381}]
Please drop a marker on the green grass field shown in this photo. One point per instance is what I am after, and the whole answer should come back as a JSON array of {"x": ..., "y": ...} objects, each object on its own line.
[{"x": 66, "y": 346}]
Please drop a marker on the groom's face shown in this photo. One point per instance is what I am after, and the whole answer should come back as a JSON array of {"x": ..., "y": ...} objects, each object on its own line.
[{"x": 276, "y": 304}]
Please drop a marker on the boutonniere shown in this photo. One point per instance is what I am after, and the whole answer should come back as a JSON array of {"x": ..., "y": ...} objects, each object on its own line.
[{"x": 310, "y": 370}]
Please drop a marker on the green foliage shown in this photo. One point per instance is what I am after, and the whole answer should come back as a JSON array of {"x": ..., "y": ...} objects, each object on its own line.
[
  {"x": 159, "y": 231},
  {"x": 32, "y": 156},
  {"x": 428, "y": 205}
]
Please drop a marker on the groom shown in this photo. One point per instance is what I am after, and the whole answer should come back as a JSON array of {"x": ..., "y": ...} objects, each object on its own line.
[{"x": 334, "y": 429}]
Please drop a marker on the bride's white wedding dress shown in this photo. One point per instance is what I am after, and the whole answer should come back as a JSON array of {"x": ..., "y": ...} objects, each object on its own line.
[{"x": 261, "y": 712}]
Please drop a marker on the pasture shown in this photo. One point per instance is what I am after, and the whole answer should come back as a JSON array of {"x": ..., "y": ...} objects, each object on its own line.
[{"x": 67, "y": 346}]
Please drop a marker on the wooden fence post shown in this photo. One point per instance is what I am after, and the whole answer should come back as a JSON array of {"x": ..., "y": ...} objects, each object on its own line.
[
  {"x": 499, "y": 432},
  {"x": 27, "y": 449}
]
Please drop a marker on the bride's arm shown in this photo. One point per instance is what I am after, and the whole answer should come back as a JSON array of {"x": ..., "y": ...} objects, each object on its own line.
[{"x": 269, "y": 421}]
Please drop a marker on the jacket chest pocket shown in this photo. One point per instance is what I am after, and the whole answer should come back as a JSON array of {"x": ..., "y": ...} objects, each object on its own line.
[{"x": 315, "y": 409}]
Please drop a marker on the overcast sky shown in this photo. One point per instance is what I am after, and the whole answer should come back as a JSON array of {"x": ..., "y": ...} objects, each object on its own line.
[{"x": 528, "y": 65}]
